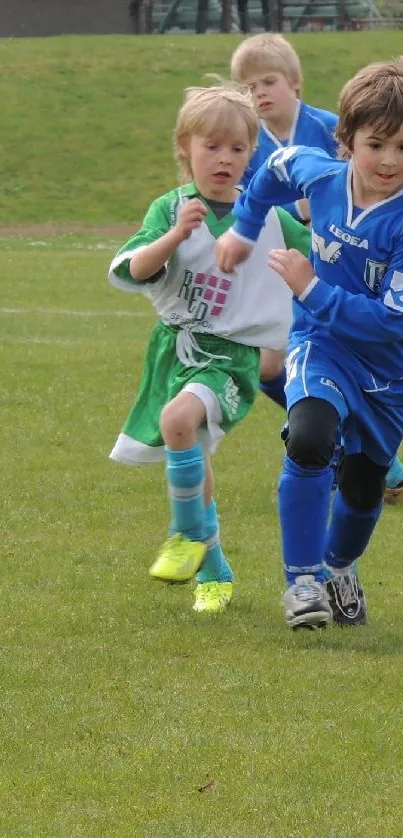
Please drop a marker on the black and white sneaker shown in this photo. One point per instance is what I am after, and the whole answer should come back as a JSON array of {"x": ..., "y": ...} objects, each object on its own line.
[
  {"x": 347, "y": 600},
  {"x": 306, "y": 604}
]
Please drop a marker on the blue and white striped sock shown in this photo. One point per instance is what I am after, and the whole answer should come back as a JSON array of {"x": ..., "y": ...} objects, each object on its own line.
[
  {"x": 215, "y": 567},
  {"x": 185, "y": 472}
]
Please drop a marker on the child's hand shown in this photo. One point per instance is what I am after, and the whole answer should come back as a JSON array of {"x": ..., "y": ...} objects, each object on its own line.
[
  {"x": 191, "y": 215},
  {"x": 295, "y": 269},
  {"x": 230, "y": 251}
]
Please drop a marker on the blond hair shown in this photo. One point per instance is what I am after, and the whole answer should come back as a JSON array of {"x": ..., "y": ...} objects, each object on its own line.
[
  {"x": 210, "y": 111},
  {"x": 374, "y": 96},
  {"x": 266, "y": 53}
]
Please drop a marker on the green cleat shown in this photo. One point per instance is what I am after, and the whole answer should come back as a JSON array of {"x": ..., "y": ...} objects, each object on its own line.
[
  {"x": 212, "y": 597},
  {"x": 178, "y": 560}
]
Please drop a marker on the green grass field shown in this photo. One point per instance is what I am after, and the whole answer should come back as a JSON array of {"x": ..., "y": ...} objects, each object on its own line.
[
  {"x": 118, "y": 703},
  {"x": 87, "y": 122}
]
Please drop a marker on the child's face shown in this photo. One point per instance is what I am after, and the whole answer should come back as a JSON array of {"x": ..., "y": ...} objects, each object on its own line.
[
  {"x": 218, "y": 162},
  {"x": 377, "y": 164},
  {"x": 273, "y": 96}
]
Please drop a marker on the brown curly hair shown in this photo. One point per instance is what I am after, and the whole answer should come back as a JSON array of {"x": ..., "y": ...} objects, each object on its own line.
[{"x": 374, "y": 96}]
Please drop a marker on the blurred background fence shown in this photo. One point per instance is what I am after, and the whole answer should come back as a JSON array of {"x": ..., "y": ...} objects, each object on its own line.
[{"x": 23, "y": 18}]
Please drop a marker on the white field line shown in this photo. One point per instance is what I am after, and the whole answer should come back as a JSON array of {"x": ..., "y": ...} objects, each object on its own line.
[
  {"x": 32, "y": 341},
  {"x": 5, "y": 341},
  {"x": 76, "y": 245},
  {"x": 71, "y": 313}
]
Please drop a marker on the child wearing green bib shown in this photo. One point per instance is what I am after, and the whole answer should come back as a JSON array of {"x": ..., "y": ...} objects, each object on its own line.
[{"x": 201, "y": 370}]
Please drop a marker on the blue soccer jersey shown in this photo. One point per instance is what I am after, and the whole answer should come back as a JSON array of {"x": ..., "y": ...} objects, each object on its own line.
[
  {"x": 311, "y": 127},
  {"x": 352, "y": 312}
]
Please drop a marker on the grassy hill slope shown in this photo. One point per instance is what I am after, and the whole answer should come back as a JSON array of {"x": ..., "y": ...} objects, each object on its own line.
[{"x": 87, "y": 121}]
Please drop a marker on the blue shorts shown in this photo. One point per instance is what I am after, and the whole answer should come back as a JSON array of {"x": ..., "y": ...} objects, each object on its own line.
[{"x": 368, "y": 425}]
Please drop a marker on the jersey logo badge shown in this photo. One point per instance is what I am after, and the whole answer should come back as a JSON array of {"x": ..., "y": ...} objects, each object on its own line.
[
  {"x": 327, "y": 251},
  {"x": 348, "y": 238},
  {"x": 374, "y": 274}
]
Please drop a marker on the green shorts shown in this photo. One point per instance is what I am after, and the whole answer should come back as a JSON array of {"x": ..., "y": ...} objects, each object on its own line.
[{"x": 226, "y": 385}]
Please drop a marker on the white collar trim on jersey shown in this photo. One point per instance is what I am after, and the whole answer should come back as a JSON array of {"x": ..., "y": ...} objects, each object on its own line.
[
  {"x": 353, "y": 224},
  {"x": 290, "y": 141}
]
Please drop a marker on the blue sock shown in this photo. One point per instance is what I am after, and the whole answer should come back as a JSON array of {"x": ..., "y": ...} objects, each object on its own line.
[
  {"x": 185, "y": 474},
  {"x": 274, "y": 389},
  {"x": 394, "y": 476},
  {"x": 349, "y": 532},
  {"x": 215, "y": 567},
  {"x": 304, "y": 500}
]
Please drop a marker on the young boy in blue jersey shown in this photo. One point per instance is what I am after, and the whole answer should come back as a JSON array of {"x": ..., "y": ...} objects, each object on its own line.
[
  {"x": 269, "y": 66},
  {"x": 345, "y": 354}
]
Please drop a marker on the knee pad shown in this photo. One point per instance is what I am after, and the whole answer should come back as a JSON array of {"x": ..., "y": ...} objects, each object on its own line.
[
  {"x": 361, "y": 481},
  {"x": 311, "y": 433},
  {"x": 308, "y": 449}
]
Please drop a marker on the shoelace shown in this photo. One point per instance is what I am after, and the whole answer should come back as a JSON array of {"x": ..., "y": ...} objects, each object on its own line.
[
  {"x": 307, "y": 591},
  {"x": 209, "y": 587},
  {"x": 205, "y": 589},
  {"x": 347, "y": 590},
  {"x": 177, "y": 544},
  {"x": 187, "y": 346}
]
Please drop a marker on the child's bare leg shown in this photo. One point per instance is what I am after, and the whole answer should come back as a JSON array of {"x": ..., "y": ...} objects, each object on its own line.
[
  {"x": 271, "y": 364},
  {"x": 272, "y": 376},
  {"x": 190, "y": 485},
  {"x": 180, "y": 420},
  {"x": 182, "y": 555}
]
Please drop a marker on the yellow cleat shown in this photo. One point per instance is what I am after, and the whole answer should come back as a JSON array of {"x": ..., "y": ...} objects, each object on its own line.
[
  {"x": 178, "y": 560},
  {"x": 212, "y": 597}
]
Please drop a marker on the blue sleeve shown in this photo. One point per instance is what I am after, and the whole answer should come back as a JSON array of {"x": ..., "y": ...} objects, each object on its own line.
[
  {"x": 285, "y": 177},
  {"x": 253, "y": 166},
  {"x": 357, "y": 316},
  {"x": 331, "y": 125}
]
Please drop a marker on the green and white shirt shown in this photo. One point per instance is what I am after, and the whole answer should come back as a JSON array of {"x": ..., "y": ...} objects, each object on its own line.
[{"x": 251, "y": 306}]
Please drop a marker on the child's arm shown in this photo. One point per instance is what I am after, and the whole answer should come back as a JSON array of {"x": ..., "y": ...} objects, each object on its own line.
[
  {"x": 301, "y": 211},
  {"x": 151, "y": 258},
  {"x": 298, "y": 209},
  {"x": 156, "y": 223},
  {"x": 143, "y": 258},
  {"x": 251, "y": 168},
  {"x": 347, "y": 315},
  {"x": 288, "y": 174}
]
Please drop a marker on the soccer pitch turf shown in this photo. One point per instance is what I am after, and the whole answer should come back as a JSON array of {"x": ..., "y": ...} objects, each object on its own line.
[
  {"x": 123, "y": 713},
  {"x": 118, "y": 702}
]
